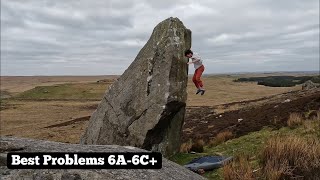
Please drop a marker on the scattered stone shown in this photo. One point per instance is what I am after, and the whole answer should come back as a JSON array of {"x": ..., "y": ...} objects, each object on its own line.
[
  {"x": 201, "y": 171},
  {"x": 287, "y": 100},
  {"x": 240, "y": 119}
]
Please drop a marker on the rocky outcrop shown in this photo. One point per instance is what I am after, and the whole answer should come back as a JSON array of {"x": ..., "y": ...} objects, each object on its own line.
[
  {"x": 145, "y": 107},
  {"x": 169, "y": 169},
  {"x": 309, "y": 85}
]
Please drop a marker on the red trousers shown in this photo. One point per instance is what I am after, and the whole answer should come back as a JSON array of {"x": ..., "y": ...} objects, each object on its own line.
[{"x": 196, "y": 77}]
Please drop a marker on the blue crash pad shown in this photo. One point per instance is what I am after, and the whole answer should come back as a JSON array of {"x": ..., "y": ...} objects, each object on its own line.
[{"x": 207, "y": 162}]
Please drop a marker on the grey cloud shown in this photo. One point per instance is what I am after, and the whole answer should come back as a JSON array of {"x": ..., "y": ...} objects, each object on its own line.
[{"x": 82, "y": 37}]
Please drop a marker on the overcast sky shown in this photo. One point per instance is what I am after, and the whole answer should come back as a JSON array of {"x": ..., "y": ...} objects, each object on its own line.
[{"x": 87, "y": 37}]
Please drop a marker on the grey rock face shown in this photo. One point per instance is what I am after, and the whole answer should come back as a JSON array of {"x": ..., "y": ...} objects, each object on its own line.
[
  {"x": 145, "y": 107},
  {"x": 169, "y": 169}
]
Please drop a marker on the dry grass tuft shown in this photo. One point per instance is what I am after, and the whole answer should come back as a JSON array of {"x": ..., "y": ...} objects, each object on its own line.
[
  {"x": 312, "y": 124},
  {"x": 220, "y": 138},
  {"x": 185, "y": 147},
  {"x": 291, "y": 157},
  {"x": 238, "y": 169},
  {"x": 313, "y": 115},
  {"x": 317, "y": 117},
  {"x": 295, "y": 120},
  {"x": 197, "y": 146}
]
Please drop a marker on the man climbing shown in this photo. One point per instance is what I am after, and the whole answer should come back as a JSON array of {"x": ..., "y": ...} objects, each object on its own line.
[{"x": 199, "y": 68}]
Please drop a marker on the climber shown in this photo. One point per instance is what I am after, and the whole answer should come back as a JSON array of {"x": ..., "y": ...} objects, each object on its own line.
[{"x": 199, "y": 68}]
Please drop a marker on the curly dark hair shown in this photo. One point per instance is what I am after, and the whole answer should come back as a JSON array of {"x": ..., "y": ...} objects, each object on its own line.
[{"x": 188, "y": 51}]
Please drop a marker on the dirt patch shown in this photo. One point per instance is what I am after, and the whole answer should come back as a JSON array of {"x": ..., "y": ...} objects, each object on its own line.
[{"x": 243, "y": 121}]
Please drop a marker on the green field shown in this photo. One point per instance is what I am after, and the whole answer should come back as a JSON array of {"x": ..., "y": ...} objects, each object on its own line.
[{"x": 78, "y": 91}]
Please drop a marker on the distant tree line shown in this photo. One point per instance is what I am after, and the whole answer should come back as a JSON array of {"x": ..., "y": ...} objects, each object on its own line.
[{"x": 280, "y": 81}]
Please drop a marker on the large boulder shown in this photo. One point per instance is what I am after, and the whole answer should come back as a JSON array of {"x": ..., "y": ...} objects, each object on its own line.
[
  {"x": 145, "y": 107},
  {"x": 169, "y": 170}
]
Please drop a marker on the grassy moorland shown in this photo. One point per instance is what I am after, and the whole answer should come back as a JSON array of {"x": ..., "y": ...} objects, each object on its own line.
[
  {"x": 256, "y": 151},
  {"x": 39, "y": 103},
  {"x": 75, "y": 91},
  {"x": 53, "y": 109},
  {"x": 221, "y": 89}
]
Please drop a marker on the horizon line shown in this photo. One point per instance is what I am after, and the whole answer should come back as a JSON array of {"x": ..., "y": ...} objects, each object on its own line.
[{"x": 205, "y": 74}]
